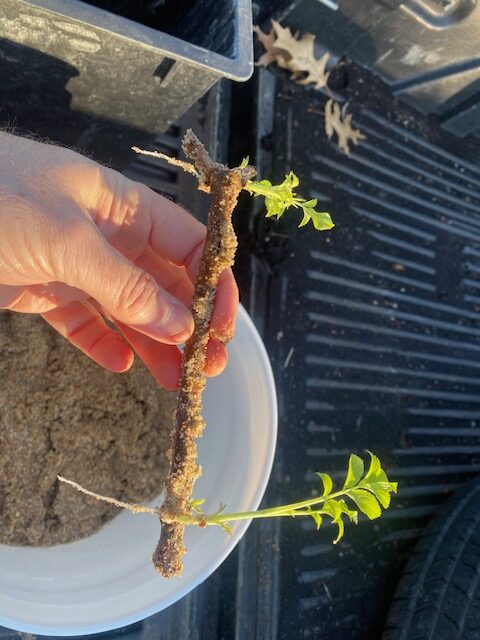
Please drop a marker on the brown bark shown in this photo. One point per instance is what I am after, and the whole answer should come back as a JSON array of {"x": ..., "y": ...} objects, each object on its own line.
[{"x": 219, "y": 253}]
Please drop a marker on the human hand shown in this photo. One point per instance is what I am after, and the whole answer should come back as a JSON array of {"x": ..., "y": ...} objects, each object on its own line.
[{"x": 80, "y": 243}]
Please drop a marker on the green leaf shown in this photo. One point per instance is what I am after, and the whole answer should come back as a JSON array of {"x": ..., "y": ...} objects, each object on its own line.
[
  {"x": 196, "y": 504},
  {"x": 317, "y": 518},
  {"x": 305, "y": 219},
  {"x": 382, "y": 491},
  {"x": 226, "y": 527},
  {"x": 382, "y": 495},
  {"x": 291, "y": 181},
  {"x": 321, "y": 220},
  {"x": 355, "y": 471},
  {"x": 262, "y": 183},
  {"x": 244, "y": 162},
  {"x": 327, "y": 483},
  {"x": 334, "y": 510},
  {"x": 350, "y": 513},
  {"x": 375, "y": 471},
  {"x": 377, "y": 482},
  {"x": 279, "y": 198},
  {"x": 366, "y": 502},
  {"x": 275, "y": 208}
]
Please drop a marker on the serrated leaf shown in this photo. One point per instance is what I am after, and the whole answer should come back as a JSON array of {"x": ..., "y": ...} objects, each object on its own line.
[
  {"x": 355, "y": 471},
  {"x": 377, "y": 482},
  {"x": 376, "y": 475},
  {"x": 382, "y": 491},
  {"x": 382, "y": 495},
  {"x": 366, "y": 502},
  {"x": 375, "y": 471},
  {"x": 321, "y": 220},
  {"x": 327, "y": 483}
]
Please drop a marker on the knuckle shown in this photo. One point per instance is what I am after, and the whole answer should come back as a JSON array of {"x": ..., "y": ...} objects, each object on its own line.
[{"x": 138, "y": 297}]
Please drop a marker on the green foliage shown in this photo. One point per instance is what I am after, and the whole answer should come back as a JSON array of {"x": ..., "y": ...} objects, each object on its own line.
[
  {"x": 279, "y": 198},
  {"x": 195, "y": 505},
  {"x": 327, "y": 482},
  {"x": 368, "y": 492},
  {"x": 355, "y": 471}
]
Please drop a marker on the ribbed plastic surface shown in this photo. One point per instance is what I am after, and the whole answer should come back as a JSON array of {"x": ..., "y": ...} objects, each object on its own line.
[{"x": 375, "y": 330}]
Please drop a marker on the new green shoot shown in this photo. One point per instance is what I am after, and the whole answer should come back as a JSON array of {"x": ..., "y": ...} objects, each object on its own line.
[
  {"x": 279, "y": 198},
  {"x": 366, "y": 492}
]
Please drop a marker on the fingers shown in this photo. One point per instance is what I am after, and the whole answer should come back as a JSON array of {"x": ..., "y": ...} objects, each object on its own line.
[
  {"x": 83, "y": 326},
  {"x": 172, "y": 279},
  {"x": 177, "y": 237},
  {"x": 175, "y": 280},
  {"x": 131, "y": 215},
  {"x": 216, "y": 358},
  {"x": 226, "y": 299},
  {"x": 162, "y": 360},
  {"x": 38, "y": 298},
  {"x": 128, "y": 293},
  {"x": 179, "y": 284}
]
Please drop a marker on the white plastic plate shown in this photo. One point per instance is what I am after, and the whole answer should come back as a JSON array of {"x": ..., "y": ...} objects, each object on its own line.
[{"x": 107, "y": 581}]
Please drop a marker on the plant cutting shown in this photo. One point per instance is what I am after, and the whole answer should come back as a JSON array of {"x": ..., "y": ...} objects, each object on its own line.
[{"x": 369, "y": 492}]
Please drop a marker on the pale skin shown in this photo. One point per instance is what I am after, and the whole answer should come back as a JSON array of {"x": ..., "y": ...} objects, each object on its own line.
[{"x": 87, "y": 248}]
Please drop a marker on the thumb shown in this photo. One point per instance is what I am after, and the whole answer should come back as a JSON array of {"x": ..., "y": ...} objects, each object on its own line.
[{"x": 127, "y": 293}]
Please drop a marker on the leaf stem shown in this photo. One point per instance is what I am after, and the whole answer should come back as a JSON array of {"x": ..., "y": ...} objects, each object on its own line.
[
  {"x": 257, "y": 188},
  {"x": 294, "y": 508}
]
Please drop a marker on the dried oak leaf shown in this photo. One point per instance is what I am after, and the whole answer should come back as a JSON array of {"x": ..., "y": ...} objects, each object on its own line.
[
  {"x": 272, "y": 54},
  {"x": 293, "y": 53},
  {"x": 302, "y": 56},
  {"x": 341, "y": 124}
]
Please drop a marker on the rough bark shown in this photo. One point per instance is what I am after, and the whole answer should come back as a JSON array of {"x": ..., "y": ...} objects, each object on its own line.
[{"x": 225, "y": 185}]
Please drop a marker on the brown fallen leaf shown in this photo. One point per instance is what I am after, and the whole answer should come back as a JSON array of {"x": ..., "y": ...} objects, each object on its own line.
[
  {"x": 296, "y": 54},
  {"x": 341, "y": 124},
  {"x": 271, "y": 53},
  {"x": 302, "y": 56}
]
